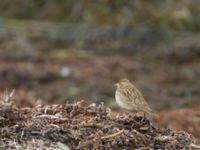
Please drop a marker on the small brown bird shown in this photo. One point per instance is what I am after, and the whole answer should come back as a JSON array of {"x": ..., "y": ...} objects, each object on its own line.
[{"x": 129, "y": 97}]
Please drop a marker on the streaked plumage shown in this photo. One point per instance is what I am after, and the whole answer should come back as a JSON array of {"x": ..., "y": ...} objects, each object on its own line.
[{"x": 129, "y": 97}]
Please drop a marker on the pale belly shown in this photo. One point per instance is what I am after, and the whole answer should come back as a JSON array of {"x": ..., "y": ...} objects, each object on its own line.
[{"x": 124, "y": 105}]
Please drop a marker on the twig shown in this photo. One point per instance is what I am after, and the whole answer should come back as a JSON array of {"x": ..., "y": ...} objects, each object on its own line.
[
  {"x": 93, "y": 125},
  {"x": 7, "y": 96},
  {"x": 48, "y": 116},
  {"x": 112, "y": 135},
  {"x": 54, "y": 125},
  {"x": 195, "y": 146},
  {"x": 83, "y": 144}
]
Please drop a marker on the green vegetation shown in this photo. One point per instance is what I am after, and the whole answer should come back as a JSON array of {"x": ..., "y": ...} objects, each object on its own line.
[{"x": 167, "y": 13}]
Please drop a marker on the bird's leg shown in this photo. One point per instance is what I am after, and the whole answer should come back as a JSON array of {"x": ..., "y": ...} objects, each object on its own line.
[{"x": 144, "y": 116}]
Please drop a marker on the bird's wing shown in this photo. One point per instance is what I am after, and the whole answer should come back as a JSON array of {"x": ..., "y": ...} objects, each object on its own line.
[
  {"x": 132, "y": 95},
  {"x": 139, "y": 98},
  {"x": 135, "y": 98},
  {"x": 142, "y": 104}
]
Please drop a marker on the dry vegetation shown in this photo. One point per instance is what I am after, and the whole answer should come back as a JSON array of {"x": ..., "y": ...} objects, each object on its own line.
[{"x": 81, "y": 126}]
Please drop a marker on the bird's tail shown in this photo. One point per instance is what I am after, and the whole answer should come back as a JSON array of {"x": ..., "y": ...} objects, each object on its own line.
[{"x": 150, "y": 112}]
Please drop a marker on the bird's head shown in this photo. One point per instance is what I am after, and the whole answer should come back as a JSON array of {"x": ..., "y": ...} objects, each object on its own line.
[{"x": 122, "y": 83}]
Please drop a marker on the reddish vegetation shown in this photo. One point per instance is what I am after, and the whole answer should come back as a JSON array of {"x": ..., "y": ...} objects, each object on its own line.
[{"x": 185, "y": 119}]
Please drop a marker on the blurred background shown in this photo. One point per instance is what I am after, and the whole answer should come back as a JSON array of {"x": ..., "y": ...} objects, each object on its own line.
[
  {"x": 64, "y": 50},
  {"x": 53, "y": 51}
]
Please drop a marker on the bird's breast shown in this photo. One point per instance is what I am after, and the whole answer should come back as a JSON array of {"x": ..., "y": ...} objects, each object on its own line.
[{"x": 122, "y": 103}]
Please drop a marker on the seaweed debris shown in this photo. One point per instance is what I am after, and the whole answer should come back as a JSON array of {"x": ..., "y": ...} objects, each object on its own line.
[{"x": 80, "y": 126}]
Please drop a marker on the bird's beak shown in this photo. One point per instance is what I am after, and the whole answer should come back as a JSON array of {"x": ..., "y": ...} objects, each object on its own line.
[{"x": 115, "y": 84}]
